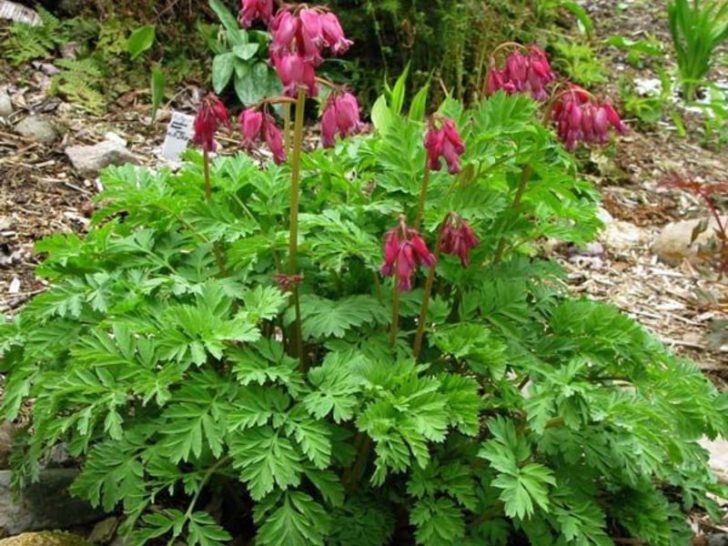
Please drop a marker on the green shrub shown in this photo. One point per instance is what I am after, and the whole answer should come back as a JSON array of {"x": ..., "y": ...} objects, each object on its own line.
[{"x": 529, "y": 415}]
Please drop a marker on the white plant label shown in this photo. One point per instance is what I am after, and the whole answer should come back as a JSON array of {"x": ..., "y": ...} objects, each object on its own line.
[{"x": 179, "y": 133}]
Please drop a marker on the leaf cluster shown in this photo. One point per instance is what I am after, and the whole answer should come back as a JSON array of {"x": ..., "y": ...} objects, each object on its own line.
[{"x": 529, "y": 414}]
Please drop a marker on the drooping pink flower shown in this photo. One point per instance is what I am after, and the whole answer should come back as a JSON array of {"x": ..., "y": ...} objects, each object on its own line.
[
  {"x": 334, "y": 34},
  {"x": 211, "y": 114},
  {"x": 307, "y": 32},
  {"x": 404, "y": 252},
  {"x": 341, "y": 116},
  {"x": 311, "y": 36},
  {"x": 528, "y": 72},
  {"x": 256, "y": 126},
  {"x": 295, "y": 72},
  {"x": 284, "y": 29},
  {"x": 444, "y": 142},
  {"x": 251, "y": 122},
  {"x": 580, "y": 117},
  {"x": 251, "y": 10},
  {"x": 458, "y": 238},
  {"x": 274, "y": 139}
]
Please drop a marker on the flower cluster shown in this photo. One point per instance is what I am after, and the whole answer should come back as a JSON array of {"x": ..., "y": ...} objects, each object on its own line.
[
  {"x": 580, "y": 117},
  {"x": 254, "y": 125},
  {"x": 211, "y": 114},
  {"x": 458, "y": 238},
  {"x": 299, "y": 36},
  {"x": 523, "y": 72},
  {"x": 341, "y": 116},
  {"x": 404, "y": 251},
  {"x": 443, "y": 142},
  {"x": 251, "y": 10}
]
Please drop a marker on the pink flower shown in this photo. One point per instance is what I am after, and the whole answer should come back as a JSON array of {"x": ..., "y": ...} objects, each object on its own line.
[
  {"x": 284, "y": 29},
  {"x": 310, "y": 36},
  {"x": 307, "y": 33},
  {"x": 523, "y": 72},
  {"x": 341, "y": 116},
  {"x": 211, "y": 114},
  {"x": 458, "y": 238},
  {"x": 404, "y": 252},
  {"x": 444, "y": 142},
  {"x": 580, "y": 117},
  {"x": 251, "y": 122},
  {"x": 295, "y": 72},
  {"x": 334, "y": 34},
  {"x": 274, "y": 139},
  {"x": 255, "y": 9},
  {"x": 255, "y": 126}
]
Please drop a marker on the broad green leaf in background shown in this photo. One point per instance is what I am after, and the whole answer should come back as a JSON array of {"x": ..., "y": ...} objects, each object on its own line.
[
  {"x": 222, "y": 71},
  {"x": 140, "y": 40},
  {"x": 227, "y": 19}
]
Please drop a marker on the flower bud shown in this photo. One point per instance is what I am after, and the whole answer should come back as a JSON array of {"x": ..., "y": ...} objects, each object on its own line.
[
  {"x": 274, "y": 139},
  {"x": 251, "y": 123},
  {"x": 295, "y": 72}
]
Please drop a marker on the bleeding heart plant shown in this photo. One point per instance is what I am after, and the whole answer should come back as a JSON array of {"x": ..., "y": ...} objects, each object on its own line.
[{"x": 244, "y": 353}]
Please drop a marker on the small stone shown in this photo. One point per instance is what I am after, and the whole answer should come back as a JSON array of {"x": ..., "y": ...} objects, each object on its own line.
[
  {"x": 38, "y": 129},
  {"x": 620, "y": 237},
  {"x": 103, "y": 532},
  {"x": 43, "y": 505},
  {"x": 6, "y": 443},
  {"x": 70, "y": 50},
  {"x": 718, "y": 540},
  {"x": 674, "y": 243},
  {"x": 90, "y": 160},
  {"x": 44, "y": 538},
  {"x": 6, "y": 105},
  {"x": 14, "y": 286}
]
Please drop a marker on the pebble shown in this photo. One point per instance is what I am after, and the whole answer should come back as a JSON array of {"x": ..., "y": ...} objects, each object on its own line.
[{"x": 38, "y": 129}]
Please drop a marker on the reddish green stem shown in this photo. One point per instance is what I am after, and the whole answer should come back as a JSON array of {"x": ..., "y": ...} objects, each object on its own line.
[
  {"x": 526, "y": 174},
  {"x": 422, "y": 321},
  {"x": 395, "y": 315},
  {"x": 206, "y": 171},
  {"x": 293, "y": 223}
]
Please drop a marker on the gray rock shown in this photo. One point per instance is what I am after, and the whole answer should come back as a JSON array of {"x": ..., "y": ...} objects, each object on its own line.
[
  {"x": 38, "y": 129},
  {"x": 43, "y": 505},
  {"x": 6, "y": 105},
  {"x": 45, "y": 538},
  {"x": 103, "y": 532},
  {"x": 621, "y": 237},
  {"x": 89, "y": 160},
  {"x": 718, "y": 540},
  {"x": 674, "y": 243},
  {"x": 6, "y": 438}
]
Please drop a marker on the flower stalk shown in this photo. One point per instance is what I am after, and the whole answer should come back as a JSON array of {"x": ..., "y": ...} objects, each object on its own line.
[
  {"x": 395, "y": 315},
  {"x": 293, "y": 222},
  {"x": 526, "y": 174},
  {"x": 429, "y": 282}
]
